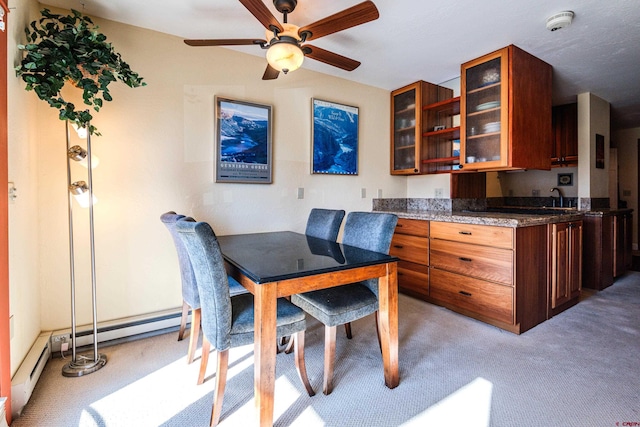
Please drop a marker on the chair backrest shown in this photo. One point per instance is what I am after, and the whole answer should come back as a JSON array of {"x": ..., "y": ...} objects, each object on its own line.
[
  {"x": 324, "y": 223},
  {"x": 211, "y": 278},
  {"x": 189, "y": 287},
  {"x": 372, "y": 231}
]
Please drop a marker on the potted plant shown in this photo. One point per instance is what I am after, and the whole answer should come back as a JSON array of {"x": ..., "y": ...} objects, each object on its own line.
[{"x": 63, "y": 49}]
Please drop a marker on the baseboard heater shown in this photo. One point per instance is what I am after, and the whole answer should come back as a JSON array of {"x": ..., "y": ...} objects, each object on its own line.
[
  {"x": 119, "y": 329},
  {"x": 27, "y": 375},
  {"x": 113, "y": 331}
]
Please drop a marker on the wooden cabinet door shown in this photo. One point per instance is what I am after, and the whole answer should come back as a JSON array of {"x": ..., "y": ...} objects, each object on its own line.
[
  {"x": 565, "y": 260},
  {"x": 559, "y": 261},
  {"x": 565, "y": 135},
  {"x": 575, "y": 259}
]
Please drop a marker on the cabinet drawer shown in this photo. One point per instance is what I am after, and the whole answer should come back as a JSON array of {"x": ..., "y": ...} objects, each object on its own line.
[
  {"x": 487, "y": 235},
  {"x": 415, "y": 227},
  {"x": 414, "y": 278},
  {"x": 484, "y": 298},
  {"x": 410, "y": 248},
  {"x": 483, "y": 262}
]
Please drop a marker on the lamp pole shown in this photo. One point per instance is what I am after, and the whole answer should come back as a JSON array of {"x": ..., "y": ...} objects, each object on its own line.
[{"x": 82, "y": 365}]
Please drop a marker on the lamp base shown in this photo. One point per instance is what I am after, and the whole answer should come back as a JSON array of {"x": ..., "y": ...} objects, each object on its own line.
[{"x": 83, "y": 366}]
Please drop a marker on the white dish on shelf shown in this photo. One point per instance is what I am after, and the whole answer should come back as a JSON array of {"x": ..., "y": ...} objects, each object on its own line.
[
  {"x": 411, "y": 106},
  {"x": 488, "y": 105},
  {"x": 491, "y": 127}
]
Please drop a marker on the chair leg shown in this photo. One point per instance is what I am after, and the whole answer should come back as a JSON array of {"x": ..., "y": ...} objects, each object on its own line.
[
  {"x": 289, "y": 348},
  {"x": 194, "y": 332},
  {"x": 298, "y": 339},
  {"x": 204, "y": 360},
  {"x": 183, "y": 320},
  {"x": 221, "y": 382},
  {"x": 377, "y": 314},
  {"x": 329, "y": 357},
  {"x": 347, "y": 330}
]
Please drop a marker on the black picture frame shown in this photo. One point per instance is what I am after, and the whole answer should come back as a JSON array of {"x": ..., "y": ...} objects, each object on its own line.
[
  {"x": 565, "y": 179},
  {"x": 599, "y": 151},
  {"x": 334, "y": 136},
  {"x": 243, "y": 142}
]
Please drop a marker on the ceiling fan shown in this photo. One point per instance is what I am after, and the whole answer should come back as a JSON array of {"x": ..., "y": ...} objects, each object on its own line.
[{"x": 284, "y": 42}]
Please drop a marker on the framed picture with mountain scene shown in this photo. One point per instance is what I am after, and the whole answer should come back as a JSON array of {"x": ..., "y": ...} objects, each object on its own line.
[
  {"x": 334, "y": 136},
  {"x": 243, "y": 142}
]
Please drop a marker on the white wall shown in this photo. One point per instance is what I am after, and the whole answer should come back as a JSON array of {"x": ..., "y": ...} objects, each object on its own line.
[{"x": 156, "y": 154}]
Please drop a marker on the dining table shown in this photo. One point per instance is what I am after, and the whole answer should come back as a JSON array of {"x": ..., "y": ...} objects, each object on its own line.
[{"x": 278, "y": 264}]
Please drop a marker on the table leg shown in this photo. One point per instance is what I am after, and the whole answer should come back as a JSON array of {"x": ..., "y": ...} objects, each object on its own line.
[
  {"x": 265, "y": 303},
  {"x": 388, "y": 322}
]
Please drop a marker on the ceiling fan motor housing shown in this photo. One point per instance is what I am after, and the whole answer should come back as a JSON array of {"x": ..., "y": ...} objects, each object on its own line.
[{"x": 285, "y": 6}]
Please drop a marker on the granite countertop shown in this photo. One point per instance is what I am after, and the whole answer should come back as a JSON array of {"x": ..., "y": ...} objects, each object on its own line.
[{"x": 489, "y": 218}]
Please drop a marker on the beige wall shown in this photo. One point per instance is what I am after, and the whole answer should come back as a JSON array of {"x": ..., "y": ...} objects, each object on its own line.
[
  {"x": 156, "y": 155},
  {"x": 627, "y": 143},
  {"x": 24, "y": 219},
  {"x": 593, "y": 118}
]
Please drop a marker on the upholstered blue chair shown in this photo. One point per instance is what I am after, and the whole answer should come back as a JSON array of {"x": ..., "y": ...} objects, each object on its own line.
[
  {"x": 190, "y": 298},
  {"x": 342, "y": 304},
  {"x": 324, "y": 223},
  {"x": 229, "y": 321}
]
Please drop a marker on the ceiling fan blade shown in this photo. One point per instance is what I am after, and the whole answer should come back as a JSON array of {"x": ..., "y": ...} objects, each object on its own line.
[
  {"x": 356, "y": 15},
  {"x": 262, "y": 14},
  {"x": 330, "y": 58},
  {"x": 270, "y": 73},
  {"x": 224, "y": 42}
]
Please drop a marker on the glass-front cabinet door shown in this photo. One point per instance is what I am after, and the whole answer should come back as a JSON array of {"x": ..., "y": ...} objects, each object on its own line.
[
  {"x": 484, "y": 110},
  {"x": 406, "y": 127}
]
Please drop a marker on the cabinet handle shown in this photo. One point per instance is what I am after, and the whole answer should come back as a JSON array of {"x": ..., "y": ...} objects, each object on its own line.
[
  {"x": 466, "y": 294},
  {"x": 398, "y": 225},
  {"x": 465, "y": 259},
  {"x": 466, "y": 233},
  {"x": 400, "y": 274},
  {"x": 398, "y": 246}
]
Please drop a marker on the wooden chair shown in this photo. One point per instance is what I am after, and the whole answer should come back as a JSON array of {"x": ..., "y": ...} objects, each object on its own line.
[
  {"x": 229, "y": 321},
  {"x": 342, "y": 304}
]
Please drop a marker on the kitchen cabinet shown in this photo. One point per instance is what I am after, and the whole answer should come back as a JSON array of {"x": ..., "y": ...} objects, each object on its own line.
[
  {"x": 565, "y": 265},
  {"x": 505, "y": 110},
  {"x": 597, "y": 268},
  {"x": 441, "y": 141},
  {"x": 410, "y": 243},
  {"x": 409, "y": 124},
  {"x": 622, "y": 242},
  {"x": 494, "y": 274},
  {"x": 565, "y": 135}
]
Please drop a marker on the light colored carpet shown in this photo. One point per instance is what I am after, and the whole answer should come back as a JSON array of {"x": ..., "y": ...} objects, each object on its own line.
[{"x": 581, "y": 368}]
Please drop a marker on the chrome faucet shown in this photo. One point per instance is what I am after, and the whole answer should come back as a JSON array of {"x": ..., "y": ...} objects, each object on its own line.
[{"x": 559, "y": 195}]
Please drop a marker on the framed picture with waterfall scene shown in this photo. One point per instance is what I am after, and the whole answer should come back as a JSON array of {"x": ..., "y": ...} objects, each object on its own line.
[
  {"x": 334, "y": 138},
  {"x": 243, "y": 142}
]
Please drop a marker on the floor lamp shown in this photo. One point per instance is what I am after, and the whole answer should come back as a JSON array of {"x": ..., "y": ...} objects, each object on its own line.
[{"x": 82, "y": 365}]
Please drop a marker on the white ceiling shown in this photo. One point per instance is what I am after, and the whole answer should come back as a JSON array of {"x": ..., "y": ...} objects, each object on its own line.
[{"x": 428, "y": 40}]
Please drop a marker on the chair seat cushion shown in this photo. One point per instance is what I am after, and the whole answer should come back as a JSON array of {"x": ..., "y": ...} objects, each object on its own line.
[
  {"x": 291, "y": 319},
  {"x": 236, "y": 288},
  {"x": 338, "y": 305}
]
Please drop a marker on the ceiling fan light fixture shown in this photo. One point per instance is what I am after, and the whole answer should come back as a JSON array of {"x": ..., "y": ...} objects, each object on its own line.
[{"x": 285, "y": 55}]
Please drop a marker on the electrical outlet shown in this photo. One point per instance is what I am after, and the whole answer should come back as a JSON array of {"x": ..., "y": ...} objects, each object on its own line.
[
  {"x": 64, "y": 346},
  {"x": 535, "y": 193},
  {"x": 59, "y": 338},
  {"x": 379, "y": 193},
  {"x": 439, "y": 193},
  {"x": 300, "y": 193},
  {"x": 363, "y": 193}
]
